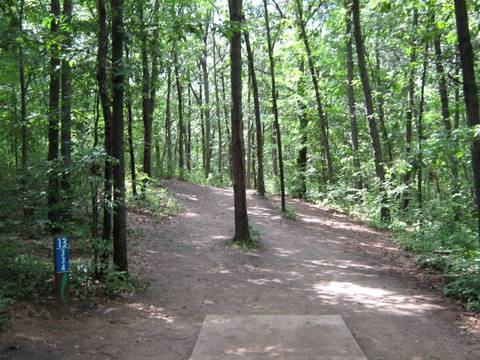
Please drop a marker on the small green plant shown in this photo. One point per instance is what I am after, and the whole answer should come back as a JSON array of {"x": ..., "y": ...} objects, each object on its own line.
[
  {"x": 252, "y": 243},
  {"x": 290, "y": 213},
  {"x": 155, "y": 201}
]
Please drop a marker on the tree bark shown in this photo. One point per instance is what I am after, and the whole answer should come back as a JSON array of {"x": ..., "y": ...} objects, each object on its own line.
[
  {"x": 470, "y": 92},
  {"x": 421, "y": 107},
  {"x": 147, "y": 123},
  {"x": 180, "y": 116},
  {"x": 217, "y": 111},
  {"x": 447, "y": 124},
  {"x": 258, "y": 120},
  {"x": 410, "y": 109},
  {"x": 322, "y": 120},
  {"x": 54, "y": 112},
  {"x": 23, "y": 98},
  {"x": 119, "y": 215},
  {"x": 352, "y": 106},
  {"x": 168, "y": 125},
  {"x": 66, "y": 132},
  {"x": 372, "y": 124},
  {"x": 102, "y": 55},
  {"x": 242, "y": 232},
  {"x": 274, "y": 107},
  {"x": 131, "y": 149},
  {"x": 208, "y": 149}
]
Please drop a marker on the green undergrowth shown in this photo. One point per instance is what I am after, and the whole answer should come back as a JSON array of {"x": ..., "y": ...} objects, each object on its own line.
[
  {"x": 154, "y": 200},
  {"x": 290, "y": 213},
  {"x": 250, "y": 244}
]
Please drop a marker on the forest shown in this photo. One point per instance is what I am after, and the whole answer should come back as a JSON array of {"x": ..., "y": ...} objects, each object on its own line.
[{"x": 367, "y": 108}]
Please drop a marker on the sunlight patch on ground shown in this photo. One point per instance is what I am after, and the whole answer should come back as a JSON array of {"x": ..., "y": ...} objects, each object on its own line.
[
  {"x": 337, "y": 293},
  {"x": 313, "y": 220},
  {"x": 342, "y": 264},
  {"x": 264, "y": 281},
  {"x": 190, "y": 215},
  {"x": 152, "y": 312},
  {"x": 188, "y": 197},
  {"x": 285, "y": 252}
]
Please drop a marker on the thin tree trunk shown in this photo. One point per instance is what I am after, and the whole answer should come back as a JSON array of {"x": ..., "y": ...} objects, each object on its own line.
[
  {"x": 168, "y": 125},
  {"x": 372, "y": 124},
  {"x": 249, "y": 138},
  {"x": 95, "y": 173},
  {"x": 229, "y": 138},
  {"x": 54, "y": 112},
  {"x": 242, "y": 232},
  {"x": 322, "y": 120},
  {"x": 180, "y": 116},
  {"x": 275, "y": 108},
  {"x": 410, "y": 109},
  {"x": 352, "y": 106},
  {"x": 131, "y": 149},
  {"x": 208, "y": 149},
  {"x": 381, "y": 110},
  {"x": 258, "y": 120},
  {"x": 189, "y": 131},
  {"x": 147, "y": 124},
  {"x": 443, "y": 92},
  {"x": 467, "y": 58},
  {"x": 217, "y": 111},
  {"x": 102, "y": 56},
  {"x": 303, "y": 124},
  {"x": 421, "y": 107},
  {"x": 23, "y": 98},
  {"x": 66, "y": 132},
  {"x": 119, "y": 215}
]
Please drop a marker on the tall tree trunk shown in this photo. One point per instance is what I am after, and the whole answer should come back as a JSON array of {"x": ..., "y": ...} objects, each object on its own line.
[
  {"x": 421, "y": 107},
  {"x": 23, "y": 98},
  {"x": 410, "y": 109},
  {"x": 381, "y": 111},
  {"x": 274, "y": 107},
  {"x": 258, "y": 120},
  {"x": 372, "y": 123},
  {"x": 180, "y": 116},
  {"x": 54, "y": 112},
  {"x": 153, "y": 75},
  {"x": 188, "y": 146},
  {"x": 102, "y": 56},
  {"x": 225, "y": 109},
  {"x": 447, "y": 124},
  {"x": 131, "y": 149},
  {"x": 322, "y": 120},
  {"x": 249, "y": 138},
  {"x": 242, "y": 232},
  {"x": 119, "y": 215},
  {"x": 217, "y": 111},
  {"x": 94, "y": 172},
  {"x": 147, "y": 123},
  {"x": 303, "y": 124},
  {"x": 352, "y": 106},
  {"x": 168, "y": 125},
  {"x": 66, "y": 132},
  {"x": 470, "y": 92},
  {"x": 208, "y": 145}
]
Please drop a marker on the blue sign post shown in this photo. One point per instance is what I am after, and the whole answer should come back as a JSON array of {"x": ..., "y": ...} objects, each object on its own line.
[{"x": 62, "y": 268}]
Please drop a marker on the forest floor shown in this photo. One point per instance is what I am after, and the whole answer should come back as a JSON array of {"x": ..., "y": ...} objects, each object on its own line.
[{"x": 322, "y": 263}]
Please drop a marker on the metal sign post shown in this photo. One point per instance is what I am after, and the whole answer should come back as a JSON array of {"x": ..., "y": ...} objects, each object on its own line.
[{"x": 62, "y": 268}]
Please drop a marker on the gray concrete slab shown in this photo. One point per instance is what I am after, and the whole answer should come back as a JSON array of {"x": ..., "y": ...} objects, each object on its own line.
[{"x": 292, "y": 337}]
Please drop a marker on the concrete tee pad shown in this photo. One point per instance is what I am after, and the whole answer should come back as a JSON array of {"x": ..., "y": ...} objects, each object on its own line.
[{"x": 292, "y": 337}]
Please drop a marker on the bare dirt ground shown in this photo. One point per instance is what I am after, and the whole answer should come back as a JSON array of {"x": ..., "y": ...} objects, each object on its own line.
[{"x": 323, "y": 263}]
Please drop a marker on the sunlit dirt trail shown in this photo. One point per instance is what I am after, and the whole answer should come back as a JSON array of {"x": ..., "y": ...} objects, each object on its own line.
[{"x": 323, "y": 263}]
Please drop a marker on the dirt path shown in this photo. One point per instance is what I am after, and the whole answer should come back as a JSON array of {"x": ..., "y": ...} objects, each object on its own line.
[{"x": 324, "y": 263}]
